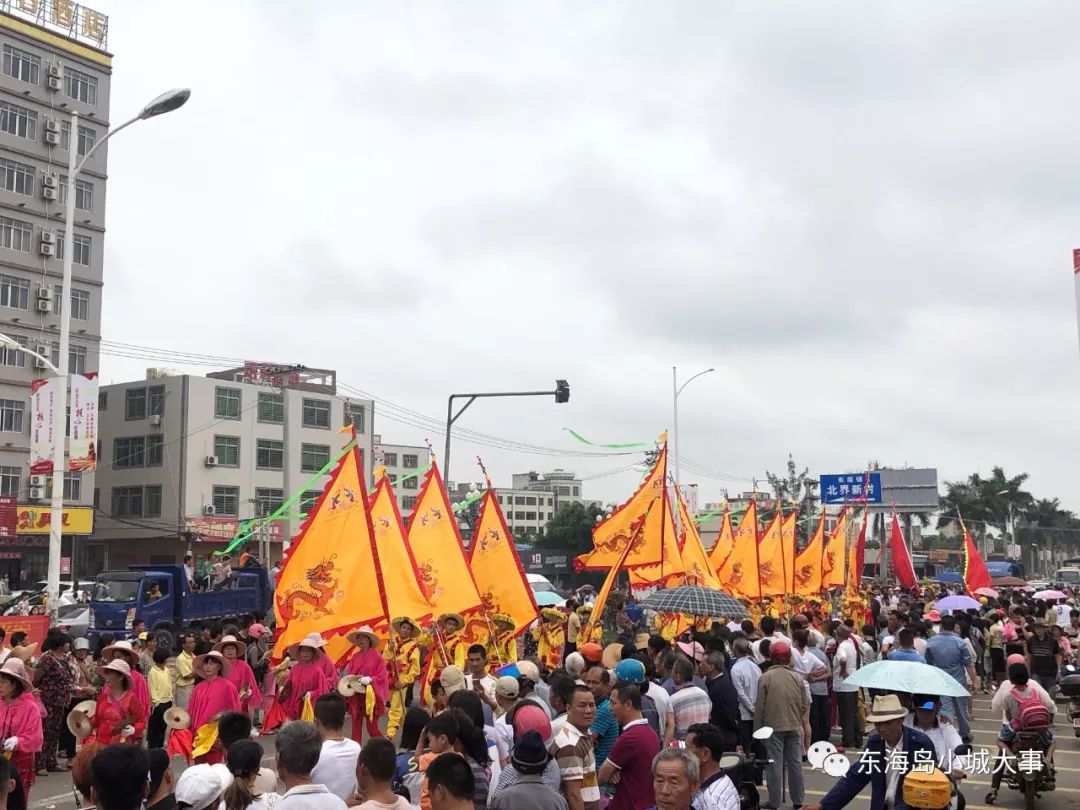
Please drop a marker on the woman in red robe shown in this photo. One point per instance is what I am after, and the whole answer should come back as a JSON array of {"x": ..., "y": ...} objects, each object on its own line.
[
  {"x": 139, "y": 685},
  {"x": 20, "y": 721},
  {"x": 369, "y": 666},
  {"x": 212, "y": 697},
  {"x": 119, "y": 717},
  {"x": 307, "y": 676},
  {"x": 239, "y": 673}
]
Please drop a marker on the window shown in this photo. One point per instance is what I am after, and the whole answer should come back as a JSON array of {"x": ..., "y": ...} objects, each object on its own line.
[
  {"x": 22, "y": 65},
  {"x": 309, "y": 499},
  {"x": 73, "y": 486},
  {"x": 577, "y": 491},
  {"x": 16, "y": 234},
  {"x": 410, "y": 483},
  {"x": 268, "y": 501},
  {"x": 530, "y": 501},
  {"x": 135, "y": 404},
  {"x": 227, "y": 450},
  {"x": 10, "y": 356},
  {"x": 10, "y": 480},
  {"x": 313, "y": 457},
  {"x": 84, "y": 194},
  {"x": 389, "y": 459},
  {"x": 519, "y": 515},
  {"x": 565, "y": 491},
  {"x": 227, "y": 500},
  {"x": 76, "y": 359},
  {"x": 408, "y": 502},
  {"x": 17, "y": 177},
  {"x": 11, "y": 415},
  {"x": 80, "y": 302},
  {"x": 269, "y": 454},
  {"x": 227, "y": 403},
  {"x": 155, "y": 451},
  {"x": 271, "y": 408},
  {"x": 410, "y": 461},
  {"x": 87, "y": 138},
  {"x": 82, "y": 250},
  {"x": 103, "y": 400},
  {"x": 354, "y": 415},
  {"x": 80, "y": 86},
  {"x": 155, "y": 400},
  {"x": 14, "y": 292},
  {"x": 530, "y": 516},
  {"x": 519, "y": 500},
  {"x": 549, "y": 502},
  {"x": 152, "y": 502},
  {"x": 127, "y": 501},
  {"x": 19, "y": 121},
  {"x": 316, "y": 413},
  {"x": 129, "y": 452}
]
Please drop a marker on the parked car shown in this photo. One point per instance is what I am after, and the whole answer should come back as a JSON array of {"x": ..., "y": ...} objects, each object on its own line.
[{"x": 73, "y": 619}]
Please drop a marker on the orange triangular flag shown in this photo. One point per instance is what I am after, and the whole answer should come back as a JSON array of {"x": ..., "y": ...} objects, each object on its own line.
[
  {"x": 724, "y": 541},
  {"x": 609, "y": 583},
  {"x": 809, "y": 568},
  {"x": 657, "y": 530},
  {"x": 832, "y": 566},
  {"x": 334, "y": 546},
  {"x": 739, "y": 573},
  {"x": 771, "y": 557},
  {"x": 401, "y": 577},
  {"x": 699, "y": 570},
  {"x": 497, "y": 570}
]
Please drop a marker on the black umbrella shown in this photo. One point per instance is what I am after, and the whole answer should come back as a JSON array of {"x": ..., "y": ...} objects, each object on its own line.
[{"x": 695, "y": 600}]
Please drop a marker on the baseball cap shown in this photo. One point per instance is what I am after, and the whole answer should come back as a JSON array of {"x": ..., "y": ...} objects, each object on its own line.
[
  {"x": 927, "y": 705},
  {"x": 507, "y": 687},
  {"x": 529, "y": 670},
  {"x": 199, "y": 787},
  {"x": 630, "y": 671},
  {"x": 256, "y": 630},
  {"x": 591, "y": 652},
  {"x": 452, "y": 679}
]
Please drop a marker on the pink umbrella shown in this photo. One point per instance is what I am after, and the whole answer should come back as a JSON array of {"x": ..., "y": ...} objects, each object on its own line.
[
  {"x": 990, "y": 592},
  {"x": 1049, "y": 595}
]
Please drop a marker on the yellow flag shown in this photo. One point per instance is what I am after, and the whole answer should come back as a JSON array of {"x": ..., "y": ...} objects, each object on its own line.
[
  {"x": 497, "y": 570},
  {"x": 334, "y": 549},
  {"x": 809, "y": 564},
  {"x": 657, "y": 531},
  {"x": 771, "y": 557},
  {"x": 832, "y": 566},
  {"x": 433, "y": 538},
  {"x": 307, "y": 712},
  {"x": 400, "y": 577},
  {"x": 205, "y": 737},
  {"x": 739, "y": 573},
  {"x": 699, "y": 570},
  {"x": 724, "y": 541},
  {"x": 609, "y": 582}
]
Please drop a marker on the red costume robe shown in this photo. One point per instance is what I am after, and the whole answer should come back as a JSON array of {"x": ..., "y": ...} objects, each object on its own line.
[
  {"x": 243, "y": 678},
  {"x": 304, "y": 678},
  {"x": 22, "y": 718},
  {"x": 208, "y": 699},
  {"x": 368, "y": 663},
  {"x": 111, "y": 711},
  {"x": 142, "y": 691}
]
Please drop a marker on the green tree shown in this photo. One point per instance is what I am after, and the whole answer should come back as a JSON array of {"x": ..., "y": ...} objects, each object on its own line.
[
  {"x": 571, "y": 528},
  {"x": 797, "y": 488},
  {"x": 985, "y": 502}
]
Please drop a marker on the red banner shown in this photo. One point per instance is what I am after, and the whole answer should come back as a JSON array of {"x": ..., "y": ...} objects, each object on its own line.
[
  {"x": 222, "y": 530},
  {"x": 35, "y": 627},
  {"x": 9, "y": 515}
]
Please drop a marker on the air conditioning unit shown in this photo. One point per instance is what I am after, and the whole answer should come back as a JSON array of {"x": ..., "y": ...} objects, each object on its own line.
[
  {"x": 48, "y": 193},
  {"x": 211, "y": 461},
  {"x": 43, "y": 350},
  {"x": 155, "y": 420},
  {"x": 50, "y": 180},
  {"x": 48, "y": 237},
  {"x": 56, "y": 70},
  {"x": 52, "y": 138},
  {"x": 42, "y": 304},
  {"x": 45, "y": 291},
  {"x": 37, "y": 493},
  {"x": 52, "y": 125},
  {"x": 54, "y": 83},
  {"x": 209, "y": 509},
  {"x": 46, "y": 249},
  {"x": 38, "y": 480}
]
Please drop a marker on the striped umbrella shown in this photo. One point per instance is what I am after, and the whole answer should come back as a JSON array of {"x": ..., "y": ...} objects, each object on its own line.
[{"x": 695, "y": 600}]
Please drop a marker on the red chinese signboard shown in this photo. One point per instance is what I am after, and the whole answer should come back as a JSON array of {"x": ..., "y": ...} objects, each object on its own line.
[
  {"x": 35, "y": 627},
  {"x": 9, "y": 516},
  {"x": 222, "y": 530}
]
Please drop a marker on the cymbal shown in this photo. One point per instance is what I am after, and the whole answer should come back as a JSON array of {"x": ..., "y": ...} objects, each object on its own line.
[
  {"x": 87, "y": 707},
  {"x": 177, "y": 718},
  {"x": 349, "y": 685},
  {"x": 79, "y": 724}
]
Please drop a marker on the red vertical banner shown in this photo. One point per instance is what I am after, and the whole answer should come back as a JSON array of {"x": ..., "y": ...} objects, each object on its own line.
[
  {"x": 82, "y": 444},
  {"x": 43, "y": 396}
]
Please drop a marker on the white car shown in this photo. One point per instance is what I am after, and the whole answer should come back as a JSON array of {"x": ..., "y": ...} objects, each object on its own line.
[{"x": 73, "y": 619}]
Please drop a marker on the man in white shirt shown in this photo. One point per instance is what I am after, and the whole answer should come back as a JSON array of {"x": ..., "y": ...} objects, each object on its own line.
[
  {"x": 336, "y": 767},
  {"x": 298, "y": 746},
  {"x": 845, "y": 663},
  {"x": 477, "y": 679},
  {"x": 1062, "y": 609},
  {"x": 768, "y": 631},
  {"x": 944, "y": 736},
  {"x": 745, "y": 674}
]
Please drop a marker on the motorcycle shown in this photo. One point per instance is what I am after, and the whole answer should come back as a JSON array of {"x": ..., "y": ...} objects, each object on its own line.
[
  {"x": 1070, "y": 688},
  {"x": 746, "y": 771},
  {"x": 1028, "y": 780}
]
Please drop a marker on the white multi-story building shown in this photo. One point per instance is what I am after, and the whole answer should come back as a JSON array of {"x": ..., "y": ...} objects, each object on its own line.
[
  {"x": 402, "y": 462},
  {"x": 184, "y": 459}
]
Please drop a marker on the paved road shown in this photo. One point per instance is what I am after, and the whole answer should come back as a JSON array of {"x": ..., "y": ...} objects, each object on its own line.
[{"x": 54, "y": 791}]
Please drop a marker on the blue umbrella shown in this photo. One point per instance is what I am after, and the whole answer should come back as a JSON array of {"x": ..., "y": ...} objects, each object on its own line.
[
  {"x": 949, "y": 576},
  {"x": 959, "y": 602},
  {"x": 907, "y": 676},
  {"x": 547, "y": 598}
]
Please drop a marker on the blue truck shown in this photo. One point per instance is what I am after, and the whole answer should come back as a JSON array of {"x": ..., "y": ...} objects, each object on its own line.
[{"x": 159, "y": 595}]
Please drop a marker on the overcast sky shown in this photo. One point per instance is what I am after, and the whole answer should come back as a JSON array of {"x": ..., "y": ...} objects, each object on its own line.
[{"x": 860, "y": 215}]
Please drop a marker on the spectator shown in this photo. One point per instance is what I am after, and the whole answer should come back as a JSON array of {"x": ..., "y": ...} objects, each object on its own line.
[
  {"x": 905, "y": 651},
  {"x": 689, "y": 703},
  {"x": 407, "y": 774},
  {"x": 200, "y": 787},
  {"x": 782, "y": 703},
  {"x": 655, "y": 701},
  {"x": 1044, "y": 657},
  {"x": 818, "y": 679},
  {"x": 298, "y": 746},
  {"x": 529, "y": 761},
  {"x": 472, "y": 744},
  {"x": 451, "y": 783},
  {"x": 236, "y": 726},
  {"x": 573, "y": 750},
  {"x": 477, "y": 679},
  {"x": 528, "y": 718},
  {"x": 507, "y": 690},
  {"x": 243, "y": 760},
  {"x": 82, "y": 775},
  {"x": 189, "y": 571},
  {"x": 745, "y": 674},
  {"x": 631, "y": 757},
  {"x": 161, "y": 695},
  {"x": 185, "y": 671},
  {"x": 336, "y": 768},
  {"x": 676, "y": 776},
  {"x": 717, "y": 791},
  {"x": 725, "y": 699},
  {"x": 160, "y": 787},
  {"x": 377, "y": 764},
  {"x": 119, "y": 778},
  {"x": 948, "y": 652},
  {"x": 846, "y": 660},
  {"x": 439, "y": 737},
  {"x": 55, "y": 683},
  {"x": 604, "y": 728}
]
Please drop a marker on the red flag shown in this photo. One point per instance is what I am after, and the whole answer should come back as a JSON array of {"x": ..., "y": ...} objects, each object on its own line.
[
  {"x": 901, "y": 559},
  {"x": 976, "y": 574}
]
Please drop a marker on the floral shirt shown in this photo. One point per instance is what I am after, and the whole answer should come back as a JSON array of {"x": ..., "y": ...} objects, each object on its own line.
[{"x": 56, "y": 683}]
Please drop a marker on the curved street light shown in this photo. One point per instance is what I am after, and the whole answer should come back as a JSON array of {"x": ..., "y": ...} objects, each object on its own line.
[{"x": 676, "y": 390}]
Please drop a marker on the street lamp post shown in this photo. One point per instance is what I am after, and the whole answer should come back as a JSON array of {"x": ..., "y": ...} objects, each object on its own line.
[
  {"x": 166, "y": 102},
  {"x": 677, "y": 389}
]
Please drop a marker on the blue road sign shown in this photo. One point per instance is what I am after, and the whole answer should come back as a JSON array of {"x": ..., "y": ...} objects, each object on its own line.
[{"x": 849, "y": 487}]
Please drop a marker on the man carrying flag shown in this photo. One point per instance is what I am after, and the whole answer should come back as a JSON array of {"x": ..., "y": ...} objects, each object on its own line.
[{"x": 403, "y": 658}]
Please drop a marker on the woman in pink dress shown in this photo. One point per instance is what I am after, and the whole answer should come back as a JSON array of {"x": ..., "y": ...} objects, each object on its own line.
[
  {"x": 239, "y": 673},
  {"x": 20, "y": 721},
  {"x": 212, "y": 697},
  {"x": 119, "y": 716},
  {"x": 307, "y": 676},
  {"x": 139, "y": 686},
  {"x": 369, "y": 666}
]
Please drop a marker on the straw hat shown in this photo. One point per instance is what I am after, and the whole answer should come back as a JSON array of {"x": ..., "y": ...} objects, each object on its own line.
[
  {"x": 455, "y": 616},
  {"x": 364, "y": 630},
  {"x": 177, "y": 718},
  {"x": 123, "y": 647},
  {"x": 241, "y": 647},
  {"x": 584, "y": 610},
  {"x": 116, "y": 665},
  {"x": 313, "y": 641},
  {"x": 612, "y": 655},
  {"x": 553, "y": 615},
  {"x": 400, "y": 620},
  {"x": 79, "y": 724},
  {"x": 349, "y": 685},
  {"x": 504, "y": 619},
  {"x": 87, "y": 707},
  {"x": 14, "y": 668},
  {"x": 200, "y": 663},
  {"x": 885, "y": 708}
]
